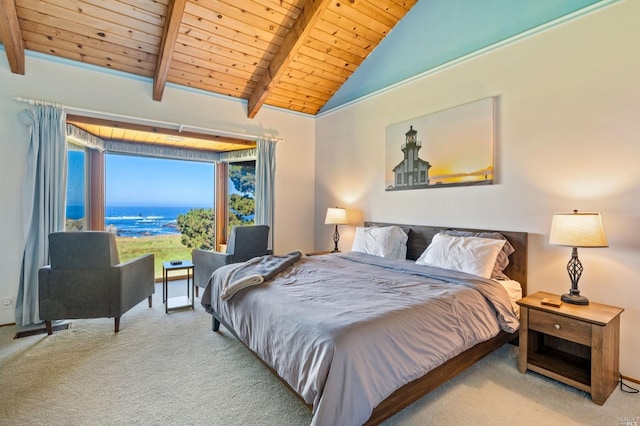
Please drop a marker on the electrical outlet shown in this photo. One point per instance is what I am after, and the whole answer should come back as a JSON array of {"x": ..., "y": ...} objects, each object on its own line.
[{"x": 7, "y": 303}]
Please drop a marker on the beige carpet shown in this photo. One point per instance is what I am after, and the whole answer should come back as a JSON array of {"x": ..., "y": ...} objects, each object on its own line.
[{"x": 172, "y": 369}]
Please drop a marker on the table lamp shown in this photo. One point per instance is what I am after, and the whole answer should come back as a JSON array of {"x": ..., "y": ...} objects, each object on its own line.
[
  {"x": 575, "y": 230},
  {"x": 336, "y": 216}
]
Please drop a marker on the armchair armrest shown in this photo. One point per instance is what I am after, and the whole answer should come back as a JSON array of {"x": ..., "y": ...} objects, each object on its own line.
[
  {"x": 205, "y": 262},
  {"x": 43, "y": 283},
  {"x": 73, "y": 293},
  {"x": 136, "y": 279}
]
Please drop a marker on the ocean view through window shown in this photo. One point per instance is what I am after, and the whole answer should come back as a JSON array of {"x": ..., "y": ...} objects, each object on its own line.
[
  {"x": 144, "y": 197},
  {"x": 156, "y": 205},
  {"x": 143, "y": 221}
]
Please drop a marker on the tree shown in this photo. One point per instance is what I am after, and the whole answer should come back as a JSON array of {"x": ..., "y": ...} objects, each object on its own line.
[
  {"x": 242, "y": 203},
  {"x": 243, "y": 177},
  {"x": 241, "y": 210},
  {"x": 197, "y": 227}
]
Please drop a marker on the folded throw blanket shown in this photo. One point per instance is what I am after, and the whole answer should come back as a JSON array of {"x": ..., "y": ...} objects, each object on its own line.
[{"x": 256, "y": 271}]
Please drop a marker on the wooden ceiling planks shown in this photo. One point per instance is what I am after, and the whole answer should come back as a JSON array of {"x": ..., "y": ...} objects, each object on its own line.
[
  {"x": 292, "y": 54},
  {"x": 142, "y": 133},
  {"x": 84, "y": 31},
  {"x": 79, "y": 38},
  {"x": 35, "y": 18}
]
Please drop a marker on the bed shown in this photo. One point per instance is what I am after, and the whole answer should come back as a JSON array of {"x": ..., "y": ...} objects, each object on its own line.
[{"x": 340, "y": 354}]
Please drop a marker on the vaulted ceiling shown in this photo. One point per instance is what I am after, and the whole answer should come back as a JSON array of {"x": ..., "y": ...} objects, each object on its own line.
[{"x": 292, "y": 54}]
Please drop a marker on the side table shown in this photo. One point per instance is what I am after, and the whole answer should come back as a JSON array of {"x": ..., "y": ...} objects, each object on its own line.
[
  {"x": 180, "y": 302},
  {"x": 575, "y": 344}
]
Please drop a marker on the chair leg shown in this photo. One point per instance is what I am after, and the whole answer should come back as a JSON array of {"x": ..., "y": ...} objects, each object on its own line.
[
  {"x": 47, "y": 324},
  {"x": 150, "y": 301},
  {"x": 117, "y": 324}
]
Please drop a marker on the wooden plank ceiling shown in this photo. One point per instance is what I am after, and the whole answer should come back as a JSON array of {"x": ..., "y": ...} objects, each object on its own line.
[
  {"x": 292, "y": 54},
  {"x": 155, "y": 135}
]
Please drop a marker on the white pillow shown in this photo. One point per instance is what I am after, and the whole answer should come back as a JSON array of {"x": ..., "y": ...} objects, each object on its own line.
[
  {"x": 385, "y": 241},
  {"x": 472, "y": 255},
  {"x": 514, "y": 290}
]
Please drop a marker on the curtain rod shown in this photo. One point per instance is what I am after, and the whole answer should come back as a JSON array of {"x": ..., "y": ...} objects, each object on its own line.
[{"x": 180, "y": 126}]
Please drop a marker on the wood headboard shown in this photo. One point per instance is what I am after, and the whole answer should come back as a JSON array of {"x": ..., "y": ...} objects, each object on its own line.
[{"x": 420, "y": 237}]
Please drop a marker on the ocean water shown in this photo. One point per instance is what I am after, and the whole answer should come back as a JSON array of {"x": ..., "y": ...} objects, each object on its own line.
[{"x": 141, "y": 221}]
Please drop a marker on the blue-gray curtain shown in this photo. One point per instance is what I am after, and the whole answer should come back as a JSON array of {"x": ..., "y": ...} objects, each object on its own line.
[
  {"x": 265, "y": 178},
  {"x": 43, "y": 206}
]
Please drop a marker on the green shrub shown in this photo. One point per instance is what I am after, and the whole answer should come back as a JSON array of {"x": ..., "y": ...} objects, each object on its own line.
[{"x": 197, "y": 228}]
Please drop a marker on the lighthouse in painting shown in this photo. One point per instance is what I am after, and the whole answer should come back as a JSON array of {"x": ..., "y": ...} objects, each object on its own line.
[{"x": 412, "y": 170}]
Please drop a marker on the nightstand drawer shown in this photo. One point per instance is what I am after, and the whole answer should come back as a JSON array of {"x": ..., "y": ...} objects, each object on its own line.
[{"x": 559, "y": 326}]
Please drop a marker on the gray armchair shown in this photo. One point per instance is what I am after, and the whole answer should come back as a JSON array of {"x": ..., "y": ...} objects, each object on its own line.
[
  {"x": 85, "y": 278},
  {"x": 245, "y": 242}
]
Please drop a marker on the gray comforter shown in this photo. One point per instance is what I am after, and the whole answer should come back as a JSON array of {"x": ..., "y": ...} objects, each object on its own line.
[{"x": 347, "y": 330}]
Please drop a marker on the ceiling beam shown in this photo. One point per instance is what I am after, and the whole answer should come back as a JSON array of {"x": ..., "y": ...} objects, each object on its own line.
[
  {"x": 175, "y": 10},
  {"x": 78, "y": 119},
  {"x": 288, "y": 50},
  {"x": 12, "y": 36}
]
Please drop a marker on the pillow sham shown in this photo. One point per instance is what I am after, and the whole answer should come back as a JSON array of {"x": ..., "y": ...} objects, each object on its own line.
[
  {"x": 502, "y": 261},
  {"x": 472, "y": 255},
  {"x": 386, "y": 241}
]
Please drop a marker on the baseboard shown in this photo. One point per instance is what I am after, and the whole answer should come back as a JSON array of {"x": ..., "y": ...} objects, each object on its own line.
[
  {"x": 631, "y": 379},
  {"x": 7, "y": 325},
  {"x": 173, "y": 278},
  {"x": 34, "y": 330}
]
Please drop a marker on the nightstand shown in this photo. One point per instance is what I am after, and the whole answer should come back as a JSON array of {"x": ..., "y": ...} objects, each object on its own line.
[{"x": 574, "y": 344}]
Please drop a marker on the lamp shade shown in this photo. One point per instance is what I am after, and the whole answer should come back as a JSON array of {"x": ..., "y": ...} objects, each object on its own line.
[
  {"x": 577, "y": 230},
  {"x": 335, "y": 216}
]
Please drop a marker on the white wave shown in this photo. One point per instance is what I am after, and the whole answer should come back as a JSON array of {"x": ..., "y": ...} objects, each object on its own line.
[{"x": 122, "y": 217}]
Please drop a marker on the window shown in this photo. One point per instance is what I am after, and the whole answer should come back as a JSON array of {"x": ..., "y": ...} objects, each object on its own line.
[
  {"x": 76, "y": 188},
  {"x": 123, "y": 183}
]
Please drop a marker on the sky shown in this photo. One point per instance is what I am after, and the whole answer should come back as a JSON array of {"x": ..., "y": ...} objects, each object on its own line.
[
  {"x": 144, "y": 181},
  {"x": 75, "y": 178}
]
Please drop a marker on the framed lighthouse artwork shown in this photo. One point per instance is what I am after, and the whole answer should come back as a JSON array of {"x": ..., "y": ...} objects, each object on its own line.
[{"x": 453, "y": 147}]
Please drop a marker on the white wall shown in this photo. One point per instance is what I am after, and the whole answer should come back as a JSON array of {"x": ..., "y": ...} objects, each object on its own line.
[
  {"x": 84, "y": 87},
  {"x": 568, "y": 129}
]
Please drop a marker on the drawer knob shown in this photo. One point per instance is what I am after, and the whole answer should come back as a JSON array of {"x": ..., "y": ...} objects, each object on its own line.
[{"x": 556, "y": 326}]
